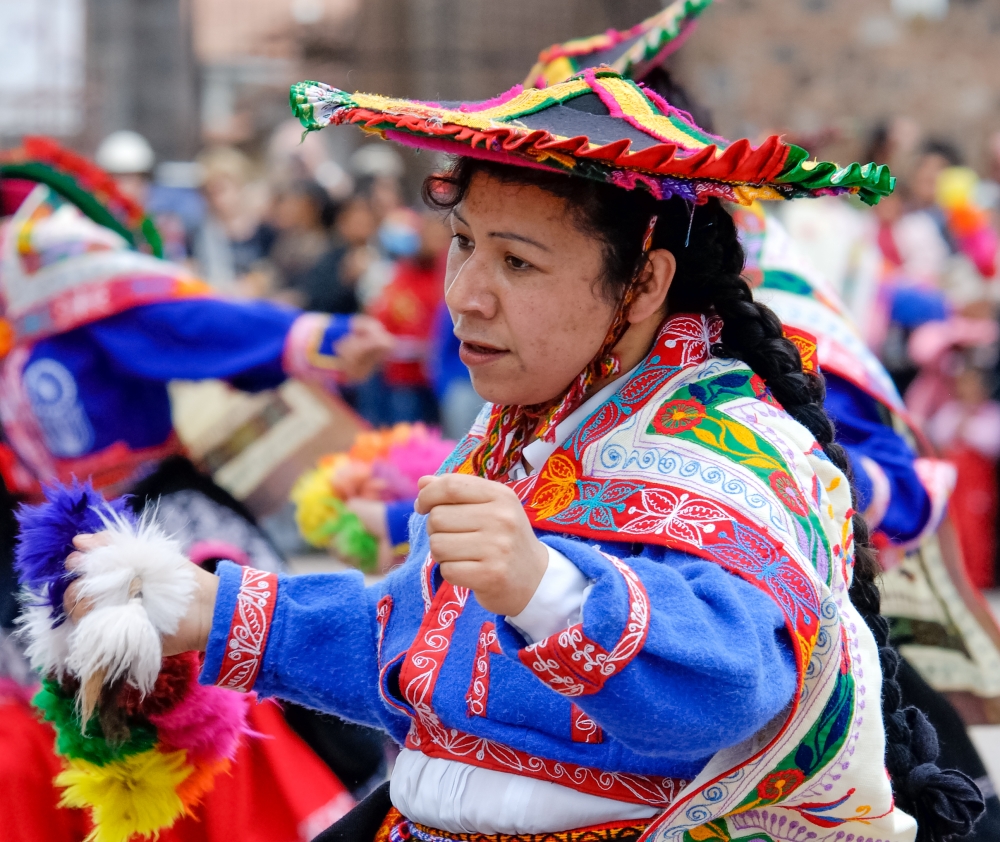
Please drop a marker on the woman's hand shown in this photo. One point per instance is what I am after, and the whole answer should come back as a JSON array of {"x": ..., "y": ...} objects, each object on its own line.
[
  {"x": 482, "y": 539},
  {"x": 372, "y": 514},
  {"x": 191, "y": 634},
  {"x": 363, "y": 348}
]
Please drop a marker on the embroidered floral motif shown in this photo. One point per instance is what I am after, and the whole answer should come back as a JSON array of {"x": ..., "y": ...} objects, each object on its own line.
[
  {"x": 779, "y": 784},
  {"x": 788, "y": 492},
  {"x": 675, "y": 515},
  {"x": 248, "y": 632},
  {"x": 556, "y": 486},
  {"x": 596, "y": 503},
  {"x": 678, "y": 416}
]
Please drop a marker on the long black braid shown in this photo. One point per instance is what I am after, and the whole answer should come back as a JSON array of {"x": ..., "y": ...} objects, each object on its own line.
[{"x": 708, "y": 279}]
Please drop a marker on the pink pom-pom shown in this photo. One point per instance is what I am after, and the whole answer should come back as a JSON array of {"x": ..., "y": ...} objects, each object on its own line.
[
  {"x": 209, "y": 723},
  {"x": 421, "y": 455}
]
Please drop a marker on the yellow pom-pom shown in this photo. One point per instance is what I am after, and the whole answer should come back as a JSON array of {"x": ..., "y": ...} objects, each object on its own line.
[
  {"x": 315, "y": 507},
  {"x": 135, "y": 795},
  {"x": 956, "y": 187}
]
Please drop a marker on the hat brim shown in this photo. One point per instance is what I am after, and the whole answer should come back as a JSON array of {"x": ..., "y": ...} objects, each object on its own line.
[{"x": 599, "y": 126}]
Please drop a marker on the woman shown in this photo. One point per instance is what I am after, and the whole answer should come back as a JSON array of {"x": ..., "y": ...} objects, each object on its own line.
[{"x": 625, "y": 614}]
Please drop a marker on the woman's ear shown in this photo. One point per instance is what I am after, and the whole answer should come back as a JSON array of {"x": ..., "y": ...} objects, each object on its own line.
[{"x": 654, "y": 284}]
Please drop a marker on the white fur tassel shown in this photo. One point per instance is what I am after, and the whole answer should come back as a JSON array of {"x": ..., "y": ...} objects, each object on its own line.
[
  {"x": 140, "y": 585},
  {"x": 47, "y": 648}
]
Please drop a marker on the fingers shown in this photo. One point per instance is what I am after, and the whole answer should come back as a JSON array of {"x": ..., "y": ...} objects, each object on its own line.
[
  {"x": 452, "y": 547},
  {"x": 463, "y": 574},
  {"x": 460, "y": 517},
  {"x": 451, "y": 489},
  {"x": 75, "y": 607},
  {"x": 91, "y": 541}
]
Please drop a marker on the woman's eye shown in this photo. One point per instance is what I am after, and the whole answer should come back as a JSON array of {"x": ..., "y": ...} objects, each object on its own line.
[
  {"x": 516, "y": 262},
  {"x": 462, "y": 241}
]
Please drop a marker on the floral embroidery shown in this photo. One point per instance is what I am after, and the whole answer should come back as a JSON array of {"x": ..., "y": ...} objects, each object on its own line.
[
  {"x": 678, "y": 416},
  {"x": 788, "y": 492},
  {"x": 675, "y": 515},
  {"x": 778, "y": 784},
  {"x": 556, "y": 486},
  {"x": 596, "y": 503}
]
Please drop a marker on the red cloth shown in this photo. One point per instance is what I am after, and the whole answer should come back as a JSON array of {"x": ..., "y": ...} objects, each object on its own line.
[
  {"x": 277, "y": 791},
  {"x": 974, "y": 511},
  {"x": 406, "y": 306},
  {"x": 28, "y": 798}
]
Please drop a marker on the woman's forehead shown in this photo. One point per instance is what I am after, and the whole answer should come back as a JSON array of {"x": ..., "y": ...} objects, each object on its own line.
[{"x": 492, "y": 200}]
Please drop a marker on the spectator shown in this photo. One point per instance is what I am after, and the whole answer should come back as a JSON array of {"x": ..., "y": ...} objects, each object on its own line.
[
  {"x": 302, "y": 214},
  {"x": 233, "y": 238},
  {"x": 407, "y": 307}
]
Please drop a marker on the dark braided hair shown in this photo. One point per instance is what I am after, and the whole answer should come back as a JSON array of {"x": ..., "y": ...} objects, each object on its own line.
[{"x": 704, "y": 242}]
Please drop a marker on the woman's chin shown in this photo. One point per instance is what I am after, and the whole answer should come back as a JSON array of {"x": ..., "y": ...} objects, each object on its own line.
[{"x": 510, "y": 391}]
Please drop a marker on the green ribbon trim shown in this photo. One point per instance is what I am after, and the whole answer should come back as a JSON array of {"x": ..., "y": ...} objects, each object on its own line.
[
  {"x": 68, "y": 187},
  {"x": 872, "y": 182}
]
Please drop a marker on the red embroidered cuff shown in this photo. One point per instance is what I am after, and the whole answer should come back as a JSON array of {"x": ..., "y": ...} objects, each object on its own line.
[
  {"x": 572, "y": 664},
  {"x": 244, "y": 652}
]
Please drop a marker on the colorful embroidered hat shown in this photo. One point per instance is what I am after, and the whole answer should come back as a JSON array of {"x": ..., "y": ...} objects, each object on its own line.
[
  {"x": 86, "y": 185},
  {"x": 70, "y": 253},
  {"x": 630, "y": 52},
  {"x": 601, "y": 126}
]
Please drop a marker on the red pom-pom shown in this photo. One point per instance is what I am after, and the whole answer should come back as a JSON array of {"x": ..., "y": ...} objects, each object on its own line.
[{"x": 177, "y": 674}]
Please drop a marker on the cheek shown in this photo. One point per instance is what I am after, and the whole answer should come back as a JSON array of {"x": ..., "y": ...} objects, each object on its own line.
[{"x": 555, "y": 333}]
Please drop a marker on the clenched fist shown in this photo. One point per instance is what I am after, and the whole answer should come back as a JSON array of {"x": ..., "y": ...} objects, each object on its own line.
[{"x": 482, "y": 539}]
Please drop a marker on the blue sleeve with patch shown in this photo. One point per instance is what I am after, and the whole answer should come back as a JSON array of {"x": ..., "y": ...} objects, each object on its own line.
[
  {"x": 242, "y": 342},
  {"x": 716, "y": 664},
  {"x": 862, "y": 432}
]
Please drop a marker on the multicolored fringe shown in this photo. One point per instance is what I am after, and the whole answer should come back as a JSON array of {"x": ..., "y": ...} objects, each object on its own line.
[
  {"x": 141, "y": 761},
  {"x": 523, "y": 128},
  {"x": 626, "y": 51},
  {"x": 397, "y": 828},
  {"x": 381, "y": 465}
]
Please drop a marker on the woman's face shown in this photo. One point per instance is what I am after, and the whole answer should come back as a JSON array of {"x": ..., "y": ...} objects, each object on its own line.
[{"x": 523, "y": 286}]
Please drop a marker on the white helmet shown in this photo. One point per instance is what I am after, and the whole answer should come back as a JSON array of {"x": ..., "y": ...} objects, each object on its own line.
[{"x": 124, "y": 153}]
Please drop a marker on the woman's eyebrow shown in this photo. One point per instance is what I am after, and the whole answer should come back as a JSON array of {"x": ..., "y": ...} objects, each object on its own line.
[
  {"x": 504, "y": 235},
  {"x": 510, "y": 235}
]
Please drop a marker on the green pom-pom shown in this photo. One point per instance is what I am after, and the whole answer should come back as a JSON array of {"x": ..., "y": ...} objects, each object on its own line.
[
  {"x": 353, "y": 542},
  {"x": 59, "y": 708}
]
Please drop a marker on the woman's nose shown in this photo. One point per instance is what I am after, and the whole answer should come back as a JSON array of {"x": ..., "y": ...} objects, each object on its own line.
[{"x": 468, "y": 290}]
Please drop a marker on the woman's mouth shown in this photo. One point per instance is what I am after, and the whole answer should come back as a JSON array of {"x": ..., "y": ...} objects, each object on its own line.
[{"x": 472, "y": 353}]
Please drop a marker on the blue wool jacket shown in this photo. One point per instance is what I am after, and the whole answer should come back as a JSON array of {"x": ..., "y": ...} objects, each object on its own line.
[{"x": 715, "y": 668}]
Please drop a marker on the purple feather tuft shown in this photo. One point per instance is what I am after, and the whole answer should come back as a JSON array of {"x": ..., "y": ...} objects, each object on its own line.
[{"x": 46, "y": 538}]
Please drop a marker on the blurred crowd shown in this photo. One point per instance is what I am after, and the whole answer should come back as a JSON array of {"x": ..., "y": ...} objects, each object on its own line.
[
  {"x": 343, "y": 231},
  {"x": 919, "y": 275},
  {"x": 324, "y": 232}
]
